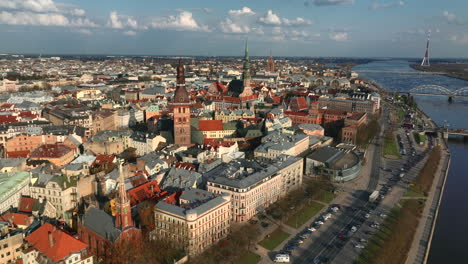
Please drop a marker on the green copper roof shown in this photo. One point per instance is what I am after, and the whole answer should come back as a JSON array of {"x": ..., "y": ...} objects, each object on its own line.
[{"x": 10, "y": 182}]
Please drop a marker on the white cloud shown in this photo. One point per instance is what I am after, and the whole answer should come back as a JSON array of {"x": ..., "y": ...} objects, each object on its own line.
[
  {"x": 119, "y": 22},
  {"x": 376, "y": 5},
  {"x": 270, "y": 18},
  {"x": 39, "y": 5},
  {"x": 331, "y": 2},
  {"x": 183, "y": 21},
  {"x": 42, "y": 13},
  {"x": 42, "y": 19},
  {"x": 130, "y": 33},
  {"x": 296, "y": 22},
  {"x": 244, "y": 11},
  {"x": 30, "y": 5},
  {"x": 461, "y": 39},
  {"x": 78, "y": 12},
  {"x": 229, "y": 26},
  {"x": 452, "y": 18},
  {"x": 339, "y": 36}
]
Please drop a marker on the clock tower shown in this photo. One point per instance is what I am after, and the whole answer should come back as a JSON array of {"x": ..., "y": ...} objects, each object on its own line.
[{"x": 181, "y": 107}]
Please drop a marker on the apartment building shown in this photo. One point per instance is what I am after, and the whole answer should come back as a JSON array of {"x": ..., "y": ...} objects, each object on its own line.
[
  {"x": 193, "y": 218},
  {"x": 59, "y": 190}
]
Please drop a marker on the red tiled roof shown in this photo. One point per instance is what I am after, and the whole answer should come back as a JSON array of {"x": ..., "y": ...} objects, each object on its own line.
[
  {"x": 210, "y": 125},
  {"x": 26, "y": 204},
  {"x": 332, "y": 112},
  {"x": 276, "y": 99},
  {"x": 213, "y": 142},
  {"x": 148, "y": 190},
  {"x": 28, "y": 114},
  {"x": 17, "y": 219},
  {"x": 18, "y": 154},
  {"x": 298, "y": 103},
  {"x": 102, "y": 159},
  {"x": 5, "y": 119},
  {"x": 63, "y": 244},
  {"x": 186, "y": 166},
  {"x": 6, "y": 105},
  {"x": 51, "y": 151},
  {"x": 173, "y": 198},
  {"x": 295, "y": 113}
]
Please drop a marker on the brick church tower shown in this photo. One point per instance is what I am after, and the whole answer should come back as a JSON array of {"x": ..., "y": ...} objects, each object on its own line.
[
  {"x": 181, "y": 107},
  {"x": 123, "y": 217}
]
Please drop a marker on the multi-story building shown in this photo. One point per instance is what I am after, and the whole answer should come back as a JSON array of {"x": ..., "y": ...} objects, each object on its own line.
[
  {"x": 109, "y": 142},
  {"x": 277, "y": 143},
  {"x": 10, "y": 245},
  {"x": 22, "y": 145},
  {"x": 250, "y": 189},
  {"x": 214, "y": 129},
  {"x": 253, "y": 186},
  {"x": 48, "y": 244},
  {"x": 104, "y": 120},
  {"x": 196, "y": 219},
  {"x": 145, "y": 143},
  {"x": 68, "y": 115},
  {"x": 350, "y": 130},
  {"x": 58, "y": 154},
  {"x": 12, "y": 186},
  {"x": 228, "y": 115},
  {"x": 291, "y": 169},
  {"x": 349, "y": 105},
  {"x": 59, "y": 190}
]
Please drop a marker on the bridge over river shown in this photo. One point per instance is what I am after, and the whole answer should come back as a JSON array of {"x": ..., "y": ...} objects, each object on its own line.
[
  {"x": 437, "y": 90},
  {"x": 403, "y": 72}
]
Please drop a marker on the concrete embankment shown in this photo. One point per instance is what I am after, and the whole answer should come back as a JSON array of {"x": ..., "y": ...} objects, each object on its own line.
[{"x": 420, "y": 248}]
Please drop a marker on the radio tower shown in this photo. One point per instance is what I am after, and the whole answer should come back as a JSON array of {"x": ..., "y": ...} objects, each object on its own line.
[{"x": 425, "y": 61}]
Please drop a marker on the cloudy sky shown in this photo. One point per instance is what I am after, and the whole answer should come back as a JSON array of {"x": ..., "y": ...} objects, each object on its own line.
[{"x": 383, "y": 28}]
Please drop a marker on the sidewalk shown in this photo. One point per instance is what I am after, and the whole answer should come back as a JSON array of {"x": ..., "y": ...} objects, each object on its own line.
[
  {"x": 420, "y": 245},
  {"x": 360, "y": 183}
]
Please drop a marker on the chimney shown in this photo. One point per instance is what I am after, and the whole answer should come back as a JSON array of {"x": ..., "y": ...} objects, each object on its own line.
[{"x": 51, "y": 239}]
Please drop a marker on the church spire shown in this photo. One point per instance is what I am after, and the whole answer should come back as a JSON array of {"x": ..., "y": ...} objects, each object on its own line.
[
  {"x": 180, "y": 73},
  {"x": 246, "y": 67},
  {"x": 123, "y": 218}
]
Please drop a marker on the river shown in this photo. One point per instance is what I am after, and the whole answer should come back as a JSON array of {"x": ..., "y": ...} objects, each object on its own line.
[{"x": 451, "y": 232}]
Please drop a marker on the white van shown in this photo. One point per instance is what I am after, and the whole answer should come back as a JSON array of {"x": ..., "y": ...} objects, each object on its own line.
[{"x": 283, "y": 258}]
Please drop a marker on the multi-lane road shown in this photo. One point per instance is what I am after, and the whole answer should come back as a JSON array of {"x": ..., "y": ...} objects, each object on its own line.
[{"x": 333, "y": 242}]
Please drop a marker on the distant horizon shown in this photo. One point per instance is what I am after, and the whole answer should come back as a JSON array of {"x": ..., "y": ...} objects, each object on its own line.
[
  {"x": 226, "y": 56},
  {"x": 303, "y": 28}
]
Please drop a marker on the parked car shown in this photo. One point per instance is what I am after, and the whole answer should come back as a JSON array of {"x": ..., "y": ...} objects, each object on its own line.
[
  {"x": 359, "y": 246},
  {"x": 282, "y": 258}
]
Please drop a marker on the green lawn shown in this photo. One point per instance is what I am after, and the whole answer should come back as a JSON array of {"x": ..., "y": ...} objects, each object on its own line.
[
  {"x": 326, "y": 197},
  {"x": 414, "y": 192},
  {"x": 303, "y": 215},
  {"x": 390, "y": 149},
  {"x": 391, "y": 242},
  {"x": 401, "y": 115},
  {"x": 274, "y": 239},
  {"x": 419, "y": 138},
  {"x": 248, "y": 258}
]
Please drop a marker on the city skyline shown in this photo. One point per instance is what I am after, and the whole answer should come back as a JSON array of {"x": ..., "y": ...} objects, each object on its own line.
[{"x": 312, "y": 28}]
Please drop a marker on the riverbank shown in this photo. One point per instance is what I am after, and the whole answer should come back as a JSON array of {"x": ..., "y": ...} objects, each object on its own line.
[
  {"x": 453, "y": 70},
  {"x": 424, "y": 232}
]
